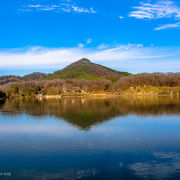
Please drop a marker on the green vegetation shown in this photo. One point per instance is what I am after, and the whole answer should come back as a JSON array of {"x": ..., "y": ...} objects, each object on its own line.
[
  {"x": 85, "y": 69},
  {"x": 79, "y": 72},
  {"x": 113, "y": 80},
  {"x": 29, "y": 92},
  {"x": 37, "y": 89},
  {"x": 16, "y": 90},
  {"x": 82, "y": 69}
]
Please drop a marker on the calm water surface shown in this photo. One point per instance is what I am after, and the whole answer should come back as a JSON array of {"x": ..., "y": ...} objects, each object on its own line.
[{"x": 85, "y": 138}]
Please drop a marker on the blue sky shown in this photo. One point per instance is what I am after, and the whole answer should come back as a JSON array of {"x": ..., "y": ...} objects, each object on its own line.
[{"x": 46, "y": 35}]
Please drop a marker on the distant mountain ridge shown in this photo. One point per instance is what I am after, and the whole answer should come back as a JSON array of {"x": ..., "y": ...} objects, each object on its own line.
[
  {"x": 34, "y": 76},
  {"x": 82, "y": 69},
  {"x": 28, "y": 77},
  {"x": 85, "y": 69},
  {"x": 10, "y": 78}
]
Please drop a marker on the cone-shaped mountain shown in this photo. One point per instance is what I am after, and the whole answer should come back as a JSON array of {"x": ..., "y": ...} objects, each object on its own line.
[{"x": 85, "y": 69}]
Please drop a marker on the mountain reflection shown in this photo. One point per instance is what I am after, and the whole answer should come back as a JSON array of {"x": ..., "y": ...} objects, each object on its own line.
[{"x": 87, "y": 112}]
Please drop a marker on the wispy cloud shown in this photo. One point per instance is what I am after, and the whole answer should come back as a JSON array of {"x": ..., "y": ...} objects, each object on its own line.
[
  {"x": 161, "y": 9},
  {"x": 132, "y": 57},
  {"x": 103, "y": 46},
  {"x": 168, "y": 26},
  {"x": 67, "y": 7},
  {"x": 88, "y": 41},
  {"x": 82, "y": 10}
]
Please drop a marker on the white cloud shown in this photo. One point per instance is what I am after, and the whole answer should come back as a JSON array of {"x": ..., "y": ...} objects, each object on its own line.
[
  {"x": 88, "y": 41},
  {"x": 34, "y": 6},
  {"x": 82, "y": 10},
  {"x": 168, "y": 26},
  {"x": 62, "y": 7},
  {"x": 158, "y": 169},
  {"x": 121, "y": 17},
  {"x": 140, "y": 45},
  {"x": 132, "y": 57},
  {"x": 160, "y": 9}
]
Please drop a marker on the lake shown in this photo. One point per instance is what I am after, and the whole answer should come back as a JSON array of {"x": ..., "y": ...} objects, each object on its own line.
[{"x": 90, "y": 138}]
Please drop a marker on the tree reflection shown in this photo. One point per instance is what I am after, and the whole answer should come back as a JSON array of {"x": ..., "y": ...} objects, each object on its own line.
[{"x": 87, "y": 112}]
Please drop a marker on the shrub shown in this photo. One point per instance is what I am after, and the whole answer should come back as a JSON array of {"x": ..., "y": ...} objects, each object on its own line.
[
  {"x": 2, "y": 94},
  {"x": 106, "y": 87},
  {"x": 16, "y": 90},
  {"x": 29, "y": 92},
  {"x": 37, "y": 89}
]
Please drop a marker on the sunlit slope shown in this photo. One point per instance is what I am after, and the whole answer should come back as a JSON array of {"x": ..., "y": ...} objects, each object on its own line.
[{"x": 85, "y": 69}]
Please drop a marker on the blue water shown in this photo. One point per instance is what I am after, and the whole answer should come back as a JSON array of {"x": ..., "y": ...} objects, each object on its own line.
[{"x": 129, "y": 146}]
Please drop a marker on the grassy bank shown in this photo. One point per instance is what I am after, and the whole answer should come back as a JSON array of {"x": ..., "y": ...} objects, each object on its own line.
[
  {"x": 150, "y": 90},
  {"x": 132, "y": 91}
]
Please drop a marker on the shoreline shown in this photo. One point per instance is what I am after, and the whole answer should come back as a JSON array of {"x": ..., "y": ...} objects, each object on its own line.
[
  {"x": 100, "y": 94},
  {"x": 106, "y": 95}
]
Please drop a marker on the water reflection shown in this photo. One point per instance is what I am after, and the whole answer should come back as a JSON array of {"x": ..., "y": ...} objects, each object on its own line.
[
  {"x": 87, "y": 112},
  {"x": 85, "y": 138},
  {"x": 165, "y": 166}
]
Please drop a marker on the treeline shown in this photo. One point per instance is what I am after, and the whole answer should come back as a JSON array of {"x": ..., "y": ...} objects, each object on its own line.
[
  {"x": 148, "y": 79},
  {"x": 55, "y": 87},
  {"x": 29, "y": 77},
  {"x": 33, "y": 76},
  {"x": 59, "y": 86},
  {"x": 8, "y": 79}
]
